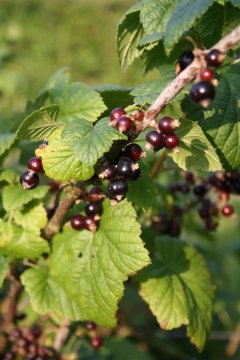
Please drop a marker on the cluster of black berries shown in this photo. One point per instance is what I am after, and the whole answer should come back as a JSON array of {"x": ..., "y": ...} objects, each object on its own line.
[
  {"x": 203, "y": 196},
  {"x": 95, "y": 341},
  {"x": 126, "y": 123},
  {"x": 26, "y": 344},
  {"x": 30, "y": 179},
  {"x": 164, "y": 136},
  {"x": 93, "y": 210}
]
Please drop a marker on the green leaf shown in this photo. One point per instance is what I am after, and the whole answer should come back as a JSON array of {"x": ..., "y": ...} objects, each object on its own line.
[
  {"x": 130, "y": 32},
  {"x": 184, "y": 16},
  {"x": 4, "y": 263},
  {"x": 95, "y": 267},
  {"x": 90, "y": 142},
  {"x": 33, "y": 217},
  {"x": 115, "y": 96},
  {"x": 119, "y": 347},
  {"x": 195, "y": 150},
  {"x": 152, "y": 38},
  {"x": 60, "y": 163},
  {"x": 40, "y": 124},
  {"x": 76, "y": 101},
  {"x": 235, "y": 2},
  {"x": 221, "y": 121},
  {"x": 17, "y": 242},
  {"x": 14, "y": 196},
  {"x": 6, "y": 141},
  {"x": 178, "y": 289},
  {"x": 8, "y": 175}
]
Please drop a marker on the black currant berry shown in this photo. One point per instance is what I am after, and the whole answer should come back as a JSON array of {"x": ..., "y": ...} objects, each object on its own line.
[
  {"x": 185, "y": 59},
  {"x": 167, "y": 124},
  {"x": 95, "y": 194},
  {"x": 90, "y": 326},
  {"x": 90, "y": 223},
  {"x": 171, "y": 141},
  {"x": 78, "y": 222},
  {"x": 202, "y": 93},
  {"x": 154, "y": 140},
  {"x": 126, "y": 168},
  {"x": 29, "y": 180},
  {"x": 35, "y": 164},
  {"x": 108, "y": 171},
  {"x": 117, "y": 188},
  {"x": 124, "y": 125},
  {"x": 227, "y": 210},
  {"x": 214, "y": 58},
  {"x": 117, "y": 113},
  {"x": 36, "y": 331},
  {"x": 138, "y": 115},
  {"x": 93, "y": 208},
  {"x": 133, "y": 151},
  {"x": 96, "y": 342},
  {"x": 206, "y": 75},
  {"x": 200, "y": 190},
  {"x": 136, "y": 175}
]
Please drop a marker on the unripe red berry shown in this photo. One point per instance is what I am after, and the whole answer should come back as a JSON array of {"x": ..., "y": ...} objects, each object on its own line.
[
  {"x": 117, "y": 113},
  {"x": 171, "y": 141},
  {"x": 227, "y": 210},
  {"x": 206, "y": 74}
]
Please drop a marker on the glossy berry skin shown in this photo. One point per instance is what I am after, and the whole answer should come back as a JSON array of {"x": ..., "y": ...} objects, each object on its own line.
[
  {"x": 206, "y": 74},
  {"x": 117, "y": 113},
  {"x": 90, "y": 326},
  {"x": 125, "y": 168},
  {"x": 78, "y": 222},
  {"x": 93, "y": 208},
  {"x": 35, "y": 164},
  {"x": 124, "y": 124},
  {"x": 96, "y": 342},
  {"x": 171, "y": 141},
  {"x": 227, "y": 210},
  {"x": 29, "y": 180},
  {"x": 108, "y": 172},
  {"x": 95, "y": 194},
  {"x": 166, "y": 125},
  {"x": 155, "y": 139},
  {"x": 117, "y": 187},
  {"x": 138, "y": 115},
  {"x": 185, "y": 59},
  {"x": 203, "y": 90},
  {"x": 214, "y": 58},
  {"x": 133, "y": 151},
  {"x": 90, "y": 223}
]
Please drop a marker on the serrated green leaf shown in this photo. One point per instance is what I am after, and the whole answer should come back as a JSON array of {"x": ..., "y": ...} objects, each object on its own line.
[
  {"x": 115, "y": 96},
  {"x": 40, "y": 124},
  {"x": 195, "y": 150},
  {"x": 8, "y": 175},
  {"x": 95, "y": 267},
  {"x": 142, "y": 192},
  {"x": 221, "y": 121},
  {"x": 76, "y": 101},
  {"x": 178, "y": 289},
  {"x": 6, "y": 141},
  {"x": 184, "y": 16},
  {"x": 14, "y": 196},
  {"x": 4, "y": 263},
  {"x": 33, "y": 217},
  {"x": 130, "y": 32},
  {"x": 152, "y": 38},
  {"x": 60, "y": 163},
  {"x": 119, "y": 347},
  {"x": 17, "y": 242},
  {"x": 90, "y": 142}
]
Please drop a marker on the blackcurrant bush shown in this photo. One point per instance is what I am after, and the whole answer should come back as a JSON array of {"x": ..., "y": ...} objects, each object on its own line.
[
  {"x": 117, "y": 113},
  {"x": 35, "y": 164},
  {"x": 90, "y": 326},
  {"x": 171, "y": 141},
  {"x": 154, "y": 140},
  {"x": 93, "y": 208},
  {"x": 206, "y": 74},
  {"x": 185, "y": 59},
  {"x": 117, "y": 188},
  {"x": 78, "y": 222},
  {"x": 133, "y": 151},
  {"x": 167, "y": 124},
  {"x": 138, "y": 115},
  {"x": 124, "y": 125},
  {"x": 214, "y": 58},
  {"x": 96, "y": 342},
  {"x": 202, "y": 93},
  {"x": 126, "y": 168},
  {"x": 227, "y": 210},
  {"x": 29, "y": 180}
]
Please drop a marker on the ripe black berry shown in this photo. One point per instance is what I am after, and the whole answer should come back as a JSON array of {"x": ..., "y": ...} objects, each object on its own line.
[
  {"x": 185, "y": 59},
  {"x": 29, "y": 180},
  {"x": 78, "y": 222},
  {"x": 214, "y": 58},
  {"x": 117, "y": 188},
  {"x": 93, "y": 208},
  {"x": 90, "y": 326},
  {"x": 90, "y": 223},
  {"x": 108, "y": 171},
  {"x": 117, "y": 113},
  {"x": 227, "y": 210},
  {"x": 36, "y": 331},
  {"x": 167, "y": 124},
  {"x": 202, "y": 93},
  {"x": 126, "y": 168},
  {"x": 206, "y": 74},
  {"x": 133, "y": 151},
  {"x": 200, "y": 190},
  {"x": 171, "y": 141},
  {"x": 138, "y": 115},
  {"x": 154, "y": 140},
  {"x": 96, "y": 342},
  {"x": 95, "y": 194},
  {"x": 35, "y": 164},
  {"x": 124, "y": 124}
]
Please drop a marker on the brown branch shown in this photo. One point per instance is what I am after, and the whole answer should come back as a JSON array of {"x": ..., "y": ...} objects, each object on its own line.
[
  {"x": 158, "y": 164},
  {"x": 187, "y": 75},
  {"x": 9, "y": 305},
  {"x": 61, "y": 335}
]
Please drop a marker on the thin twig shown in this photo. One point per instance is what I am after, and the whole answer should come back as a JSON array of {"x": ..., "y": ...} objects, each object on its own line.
[
  {"x": 61, "y": 335},
  {"x": 158, "y": 164}
]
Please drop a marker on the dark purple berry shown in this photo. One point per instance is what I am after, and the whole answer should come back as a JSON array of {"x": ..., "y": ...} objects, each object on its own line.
[
  {"x": 96, "y": 342},
  {"x": 93, "y": 208},
  {"x": 117, "y": 113},
  {"x": 124, "y": 125},
  {"x": 167, "y": 124},
  {"x": 78, "y": 222},
  {"x": 90, "y": 223},
  {"x": 171, "y": 141},
  {"x": 133, "y": 151},
  {"x": 90, "y": 326},
  {"x": 155, "y": 140},
  {"x": 206, "y": 74},
  {"x": 202, "y": 93},
  {"x": 126, "y": 168},
  {"x": 95, "y": 194},
  {"x": 185, "y": 59},
  {"x": 214, "y": 58},
  {"x": 29, "y": 180},
  {"x": 200, "y": 190},
  {"x": 189, "y": 176},
  {"x": 136, "y": 175},
  {"x": 184, "y": 188},
  {"x": 117, "y": 188},
  {"x": 36, "y": 331},
  {"x": 35, "y": 164},
  {"x": 138, "y": 115},
  {"x": 108, "y": 171},
  {"x": 227, "y": 210}
]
